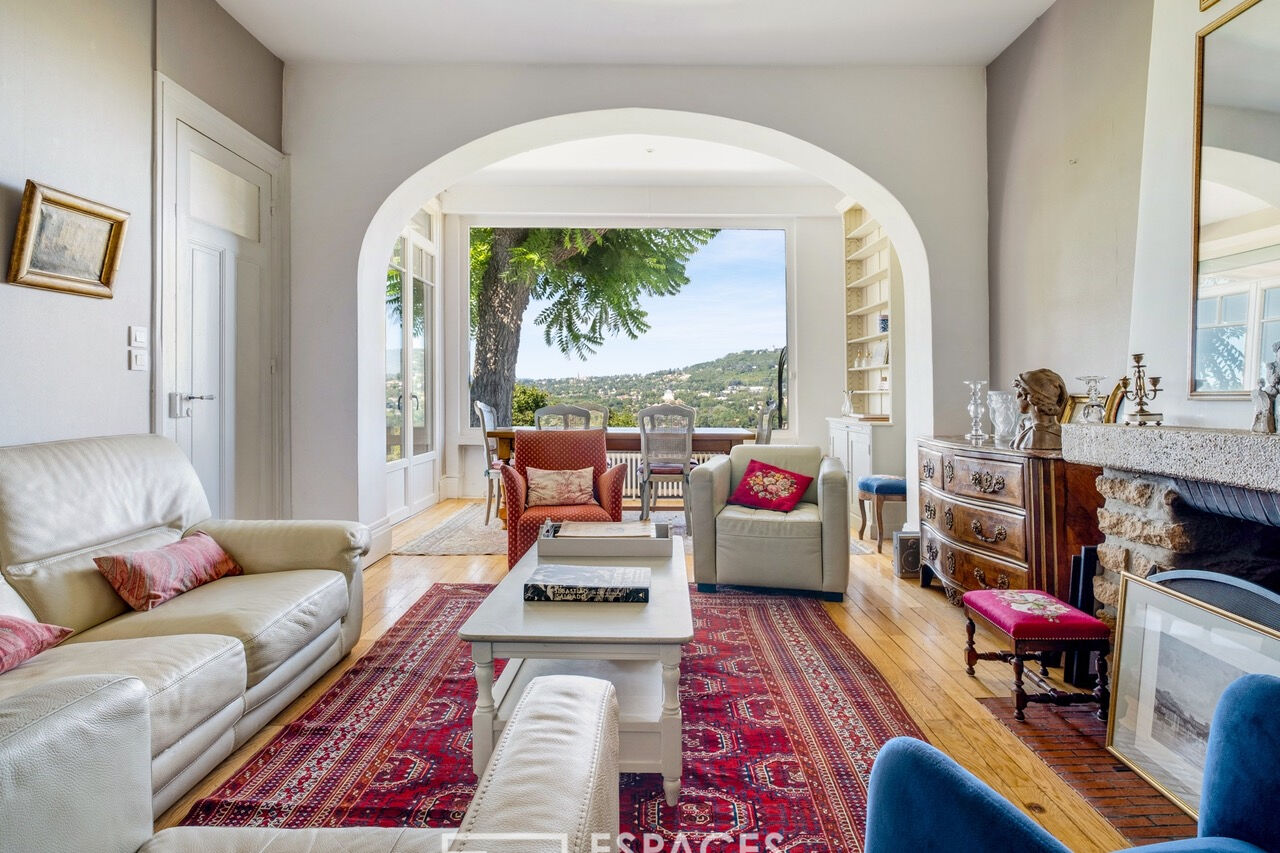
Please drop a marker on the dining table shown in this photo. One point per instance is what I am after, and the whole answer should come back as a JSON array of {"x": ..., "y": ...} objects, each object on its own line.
[{"x": 705, "y": 439}]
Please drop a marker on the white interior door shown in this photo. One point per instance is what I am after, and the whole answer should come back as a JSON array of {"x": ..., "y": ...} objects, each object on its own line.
[{"x": 218, "y": 396}]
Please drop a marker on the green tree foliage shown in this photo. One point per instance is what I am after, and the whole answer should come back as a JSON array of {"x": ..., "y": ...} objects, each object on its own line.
[
  {"x": 525, "y": 400},
  {"x": 592, "y": 278}
]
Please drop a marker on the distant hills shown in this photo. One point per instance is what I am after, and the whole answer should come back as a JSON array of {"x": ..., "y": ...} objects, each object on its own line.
[{"x": 726, "y": 391}]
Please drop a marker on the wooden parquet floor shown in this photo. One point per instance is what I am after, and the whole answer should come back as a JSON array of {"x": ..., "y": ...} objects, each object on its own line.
[{"x": 911, "y": 634}]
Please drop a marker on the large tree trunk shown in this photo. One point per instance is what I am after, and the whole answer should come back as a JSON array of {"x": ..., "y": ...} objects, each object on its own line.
[{"x": 500, "y": 308}]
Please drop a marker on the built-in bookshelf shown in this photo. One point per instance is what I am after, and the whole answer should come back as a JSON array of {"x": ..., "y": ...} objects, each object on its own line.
[{"x": 869, "y": 311}]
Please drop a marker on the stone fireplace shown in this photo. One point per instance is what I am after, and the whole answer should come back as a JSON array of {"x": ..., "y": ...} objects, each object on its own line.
[{"x": 1181, "y": 498}]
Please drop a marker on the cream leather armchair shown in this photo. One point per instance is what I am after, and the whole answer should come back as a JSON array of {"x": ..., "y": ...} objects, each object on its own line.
[
  {"x": 805, "y": 549},
  {"x": 75, "y": 775}
]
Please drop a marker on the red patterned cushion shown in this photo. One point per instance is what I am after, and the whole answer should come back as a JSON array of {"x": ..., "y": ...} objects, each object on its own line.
[
  {"x": 560, "y": 488},
  {"x": 22, "y": 639},
  {"x": 769, "y": 487},
  {"x": 1029, "y": 614},
  {"x": 147, "y": 579}
]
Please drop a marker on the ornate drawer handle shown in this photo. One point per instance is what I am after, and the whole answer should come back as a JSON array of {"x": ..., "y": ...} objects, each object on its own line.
[
  {"x": 1001, "y": 533},
  {"x": 949, "y": 470},
  {"x": 927, "y": 469},
  {"x": 986, "y": 483},
  {"x": 930, "y": 511},
  {"x": 949, "y": 517},
  {"x": 1002, "y": 581},
  {"x": 931, "y": 551},
  {"x": 950, "y": 567}
]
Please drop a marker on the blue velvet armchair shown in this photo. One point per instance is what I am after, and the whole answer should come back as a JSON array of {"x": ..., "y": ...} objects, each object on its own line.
[{"x": 1238, "y": 803}]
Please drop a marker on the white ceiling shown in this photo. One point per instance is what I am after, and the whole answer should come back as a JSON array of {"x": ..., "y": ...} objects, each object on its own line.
[
  {"x": 641, "y": 160},
  {"x": 680, "y": 32}
]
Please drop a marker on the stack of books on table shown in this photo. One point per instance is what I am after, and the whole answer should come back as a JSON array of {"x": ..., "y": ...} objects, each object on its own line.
[
  {"x": 606, "y": 530},
  {"x": 556, "y": 582}
]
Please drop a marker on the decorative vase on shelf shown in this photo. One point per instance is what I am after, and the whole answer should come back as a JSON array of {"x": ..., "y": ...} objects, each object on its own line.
[
  {"x": 1094, "y": 408},
  {"x": 846, "y": 404},
  {"x": 1003, "y": 407},
  {"x": 977, "y": 408}
]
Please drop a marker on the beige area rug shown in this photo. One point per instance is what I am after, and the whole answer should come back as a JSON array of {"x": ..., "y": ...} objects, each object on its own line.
[{"x": 464, "y": 532}]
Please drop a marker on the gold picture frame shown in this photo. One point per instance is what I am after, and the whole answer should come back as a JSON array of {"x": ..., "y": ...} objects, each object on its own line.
[
  {"x": 67, "y": 243},
  {"x": 1071, "y": 412},
  {"x": 1174, "y": 655}
]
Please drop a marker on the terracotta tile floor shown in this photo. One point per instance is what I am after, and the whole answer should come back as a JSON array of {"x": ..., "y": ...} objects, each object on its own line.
[{"x": 1072, "y": 742}]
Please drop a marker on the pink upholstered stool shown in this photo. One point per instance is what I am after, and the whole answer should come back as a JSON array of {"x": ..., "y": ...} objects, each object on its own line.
[{"x": 1037, "y": 624}]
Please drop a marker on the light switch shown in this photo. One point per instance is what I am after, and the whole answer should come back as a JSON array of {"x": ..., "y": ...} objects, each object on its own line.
[
  {"x": 138, "y": 359},
  {"x": 139, "y": 336}
]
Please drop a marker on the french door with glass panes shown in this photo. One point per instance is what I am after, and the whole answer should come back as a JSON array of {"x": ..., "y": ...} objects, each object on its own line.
[{"x": 412, "y": 386}]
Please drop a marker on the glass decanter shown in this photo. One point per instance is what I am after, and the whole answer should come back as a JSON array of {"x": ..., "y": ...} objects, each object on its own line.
[{"x": 977, "y": 408}]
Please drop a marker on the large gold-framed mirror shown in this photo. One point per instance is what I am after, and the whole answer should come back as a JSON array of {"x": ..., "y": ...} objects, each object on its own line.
[{"x": 1235, "y": 306}]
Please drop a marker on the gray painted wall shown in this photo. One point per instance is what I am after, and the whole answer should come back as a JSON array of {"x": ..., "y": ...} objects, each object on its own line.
[
  {"x": 75, "y": 113},
  {"x": 206, "y": 51},
  {"x": 1065, "y": 106}
]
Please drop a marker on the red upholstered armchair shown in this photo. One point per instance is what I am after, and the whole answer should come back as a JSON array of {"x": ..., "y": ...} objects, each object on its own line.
[{"x": 557, "y": 450}]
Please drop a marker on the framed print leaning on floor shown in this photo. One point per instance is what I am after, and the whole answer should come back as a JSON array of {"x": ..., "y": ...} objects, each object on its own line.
[{"x": 1174, "y": 657}]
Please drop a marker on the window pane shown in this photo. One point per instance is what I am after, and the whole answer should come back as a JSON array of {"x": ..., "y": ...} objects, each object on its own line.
[
  {"x": 1235, "y": 308},
  {"x": 420, "y": 366},
  {"x": 397, "y": 253},
  {"x": 1206, "y": 312},
  {"x": 395, "y": 364},
  {"x": 1220, "y": 359},
  {"x": 1271, "y": 303}
]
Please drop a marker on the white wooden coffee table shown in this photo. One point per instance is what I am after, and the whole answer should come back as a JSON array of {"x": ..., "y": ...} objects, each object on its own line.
[{"x": 636, "y": 646}]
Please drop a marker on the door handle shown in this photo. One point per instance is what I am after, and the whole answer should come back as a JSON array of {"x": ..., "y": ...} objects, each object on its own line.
[{"x": 199, "y": 397}]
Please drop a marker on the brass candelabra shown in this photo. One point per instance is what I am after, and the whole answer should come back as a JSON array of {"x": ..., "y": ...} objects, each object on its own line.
[{"x": 1136, "y": 391}]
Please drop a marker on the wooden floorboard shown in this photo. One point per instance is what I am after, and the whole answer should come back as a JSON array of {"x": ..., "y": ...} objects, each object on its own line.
[{"x": 912, "y": 635}]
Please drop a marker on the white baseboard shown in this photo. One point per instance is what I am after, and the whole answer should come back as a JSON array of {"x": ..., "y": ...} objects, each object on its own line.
[
  {"x": 380, "y": 542},
  {"x": 449, "y": 486}
]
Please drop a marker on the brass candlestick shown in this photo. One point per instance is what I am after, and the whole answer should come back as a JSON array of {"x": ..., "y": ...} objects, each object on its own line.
[{"x": 1140, "y": 394}]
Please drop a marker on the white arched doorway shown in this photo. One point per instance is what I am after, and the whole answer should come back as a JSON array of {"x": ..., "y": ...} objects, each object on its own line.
[{"x": 447, "y": 170}]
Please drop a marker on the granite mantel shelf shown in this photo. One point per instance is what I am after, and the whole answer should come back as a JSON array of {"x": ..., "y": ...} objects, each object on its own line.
[{"x": 1228, "y": 457}]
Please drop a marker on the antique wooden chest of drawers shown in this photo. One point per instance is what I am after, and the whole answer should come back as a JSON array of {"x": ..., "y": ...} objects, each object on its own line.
[{"x": 992, "y": 517}]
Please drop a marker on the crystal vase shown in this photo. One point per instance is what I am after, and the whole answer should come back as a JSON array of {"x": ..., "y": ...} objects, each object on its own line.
[
  {"x": 1094, "y": 409},
  {"x": 1003, "y": 407}
]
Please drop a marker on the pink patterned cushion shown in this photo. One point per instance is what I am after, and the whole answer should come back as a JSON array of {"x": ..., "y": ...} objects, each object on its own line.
[
  {"x": 1029, "y": 614},
  {"x": 560, "y": 488},
  {"x": 766, "y": 486},
  {"x": 147, "y": 579},
  {"x": 22, "y": 639}
]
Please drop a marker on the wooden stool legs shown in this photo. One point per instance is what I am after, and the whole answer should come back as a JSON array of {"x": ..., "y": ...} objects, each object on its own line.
[
  {"x": 878, "y": 502},
  {"x": 1037, "y": 651}
]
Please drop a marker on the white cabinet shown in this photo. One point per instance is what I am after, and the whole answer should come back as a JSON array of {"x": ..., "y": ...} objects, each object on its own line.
[{"x": 859, "y": 446}]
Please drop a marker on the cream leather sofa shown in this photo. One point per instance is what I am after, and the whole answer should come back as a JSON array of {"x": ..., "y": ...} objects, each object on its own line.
[
  {"x": 805, "y": 549},
  {"x": 75, "y": 775},
  {"x": 218, "y": 661}
]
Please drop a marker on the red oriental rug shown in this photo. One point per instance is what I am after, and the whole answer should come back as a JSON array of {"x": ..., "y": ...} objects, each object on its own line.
[{"x": 783, "y": 717}]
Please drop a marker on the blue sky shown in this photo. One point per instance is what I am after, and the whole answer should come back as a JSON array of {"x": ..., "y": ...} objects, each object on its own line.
[{"x": 735, "y": 300}]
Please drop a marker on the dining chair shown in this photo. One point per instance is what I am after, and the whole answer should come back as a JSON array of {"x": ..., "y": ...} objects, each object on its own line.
[
  {"x": 764, "y": 424},
  {"x": 492, "y": 464},
  {"x": 562, "y": 417},
  {"x": 666, "y": 451},
  {"x": 599, "y": 415}
]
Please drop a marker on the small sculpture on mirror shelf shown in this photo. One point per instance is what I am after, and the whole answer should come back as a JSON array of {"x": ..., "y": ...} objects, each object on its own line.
[
  {"x": 1041, "y": 394},
  {"x": 1264, "y": 398}
]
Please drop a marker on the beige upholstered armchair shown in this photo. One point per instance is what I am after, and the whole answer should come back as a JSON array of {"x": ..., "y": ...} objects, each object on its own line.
[{"x": 805, "y": 549}]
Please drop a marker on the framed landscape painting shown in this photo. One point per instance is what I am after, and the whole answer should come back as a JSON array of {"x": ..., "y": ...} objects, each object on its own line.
[
  {"x": 1174, "y": 657},
  {"x": 66, "y": 243}
]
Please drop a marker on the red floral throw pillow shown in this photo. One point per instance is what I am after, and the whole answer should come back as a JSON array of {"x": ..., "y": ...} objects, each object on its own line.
[
  {"x": 147, "y": 579},
  {"x": 766, "y": 486},
  {"x": 22, "y": 639}
]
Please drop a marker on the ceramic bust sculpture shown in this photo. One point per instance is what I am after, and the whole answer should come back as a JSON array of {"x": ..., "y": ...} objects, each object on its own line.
[
  {"x": 1264, "y": 398},
  {"x": 1043, "y": 395}
]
